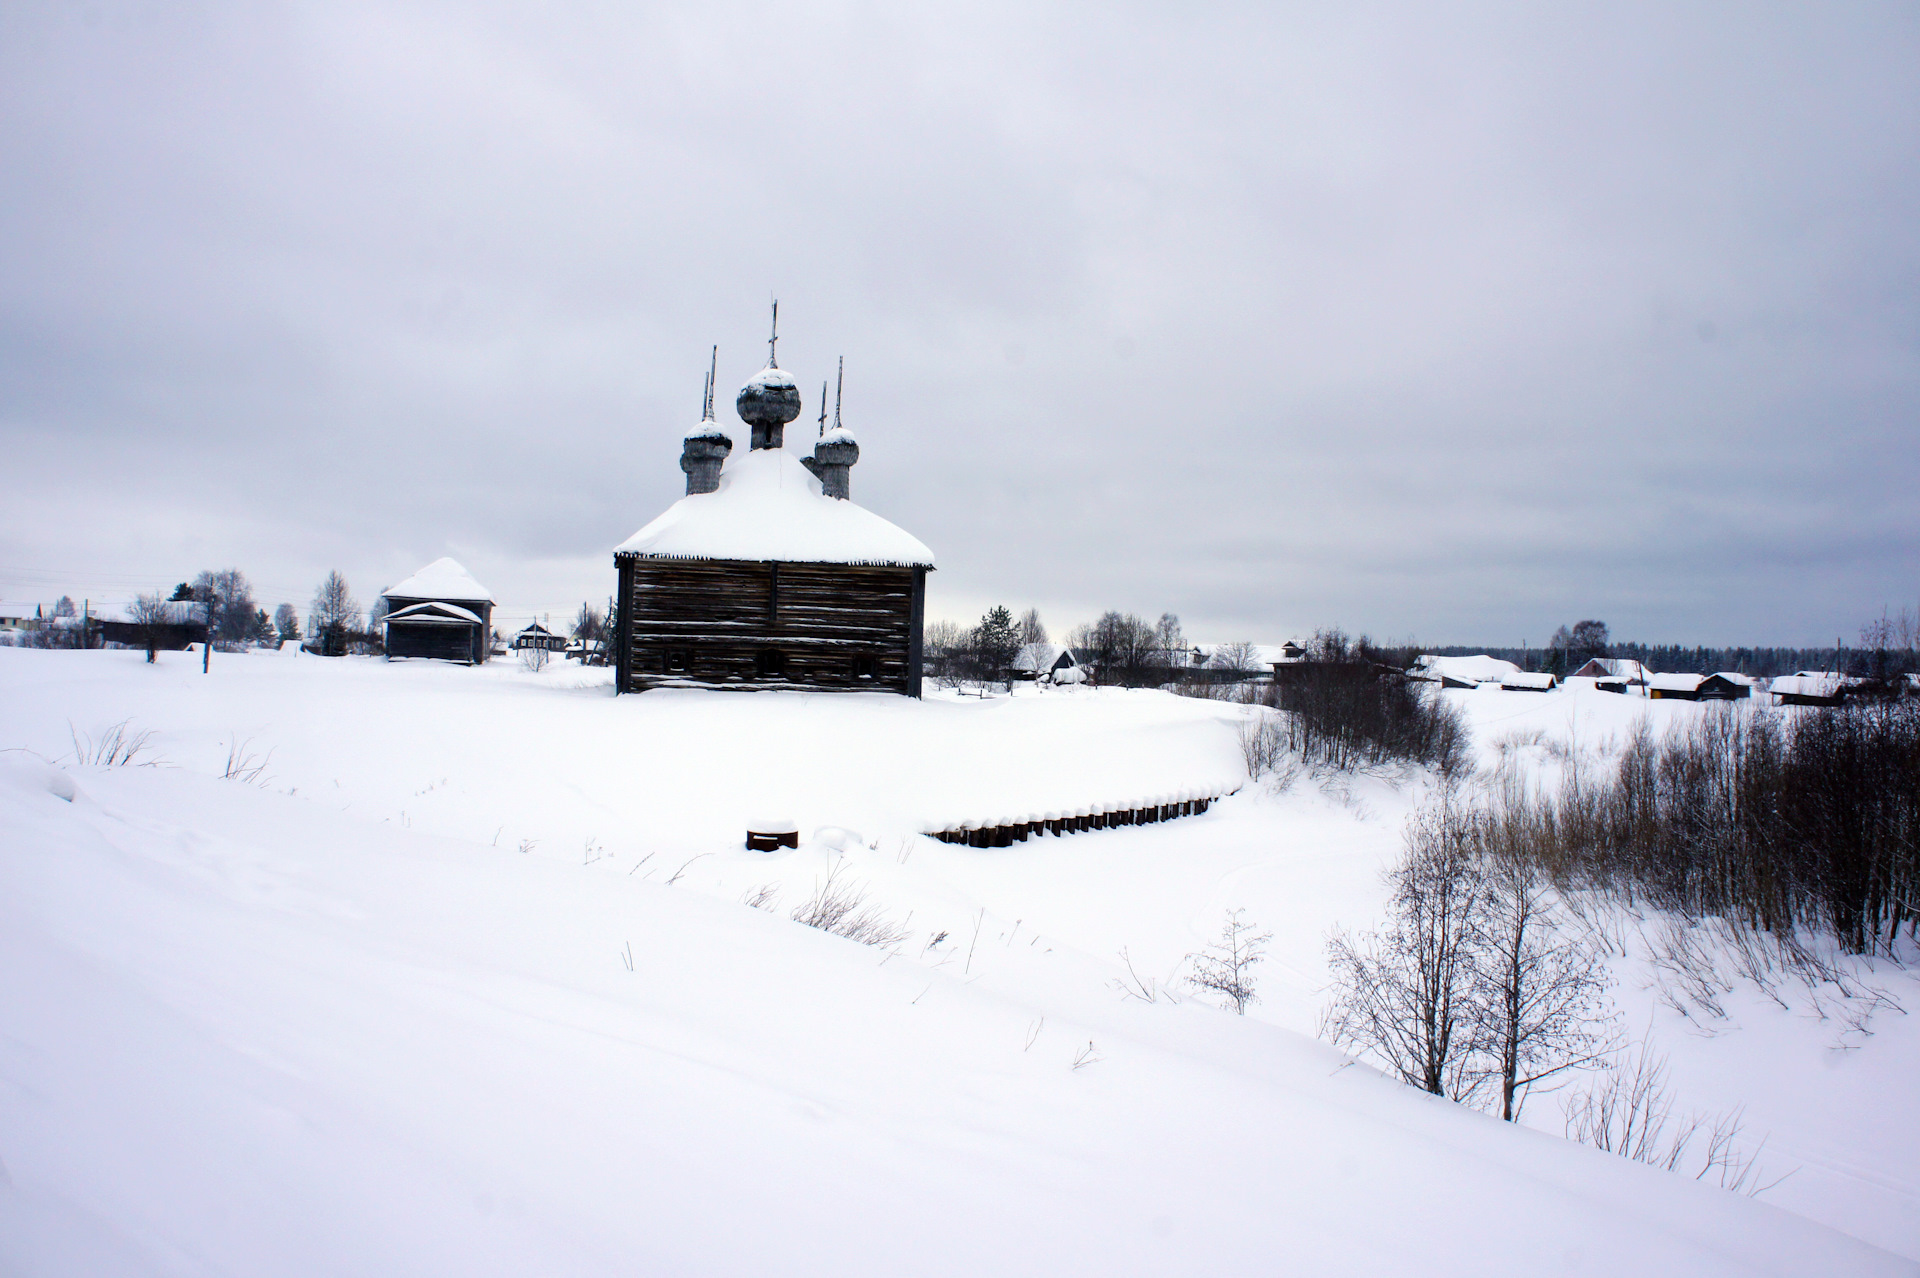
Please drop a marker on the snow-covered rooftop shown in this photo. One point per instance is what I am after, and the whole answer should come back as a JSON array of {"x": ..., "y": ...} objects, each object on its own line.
[
  {"x": 1479, "y": 669},
  {"x": 769, "y": 507},
  {"x": 441, "y": 579}
]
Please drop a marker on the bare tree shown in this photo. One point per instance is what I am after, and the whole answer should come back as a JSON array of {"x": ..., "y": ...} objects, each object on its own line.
[
  {"x": 1122, "y": 647},
  {"x": 1030, "y": 628},
  {"x": 64, "y": 607},
  {"x": 1541, "y": 1006},
  {"x": 1225, "y": 966},
  {"x": 334, "y": 614},
  {"x": 150, "y": 615},
  {"x": 1406, "y": 995},
  {"x": 1237, "y": 658},
  {"x": 286, "y": 620},
  {"x": 230, "y": 605},
  {"x": 1170, "y": 640}
]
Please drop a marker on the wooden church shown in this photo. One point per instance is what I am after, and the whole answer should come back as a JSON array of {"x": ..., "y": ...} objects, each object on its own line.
[
  {"x": 766, "y": 575},
  {"x": 441, "y": 613}
]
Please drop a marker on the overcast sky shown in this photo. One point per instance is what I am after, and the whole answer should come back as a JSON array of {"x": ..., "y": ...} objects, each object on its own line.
[{"x": 1432, "y": 321}]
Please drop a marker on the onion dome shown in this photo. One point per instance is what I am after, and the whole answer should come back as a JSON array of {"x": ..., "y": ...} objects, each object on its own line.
[{"x": 767, "y": 404}]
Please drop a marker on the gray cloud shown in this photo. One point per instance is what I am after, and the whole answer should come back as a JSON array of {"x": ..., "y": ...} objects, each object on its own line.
[{"x": 1456, "y": 323}]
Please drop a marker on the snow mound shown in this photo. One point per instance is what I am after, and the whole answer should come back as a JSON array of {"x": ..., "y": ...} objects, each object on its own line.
[{"x": 769, "y": 507}]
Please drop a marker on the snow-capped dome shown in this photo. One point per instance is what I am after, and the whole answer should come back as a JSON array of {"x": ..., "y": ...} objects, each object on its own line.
[
  {"x": 768, "y": 507},
  {"x": 769, "y": 399},
  {"x": 709, "y": 429}
]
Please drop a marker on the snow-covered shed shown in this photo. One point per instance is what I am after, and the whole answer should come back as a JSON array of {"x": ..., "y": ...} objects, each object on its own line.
[
  {"x": 1675, "y": 687},
  {"x": 766, "y": 574},
  {"x": 1461, "y": 672},
  {"x": 440, "y": 612},
  {"x": 1621, "y": 668},
  {"x": 1528, "y": 681},
  {"x": 1809, "y": 688}
]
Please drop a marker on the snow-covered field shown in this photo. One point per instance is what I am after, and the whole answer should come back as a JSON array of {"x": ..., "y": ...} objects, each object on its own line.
[{"x": 462, "y": 983}]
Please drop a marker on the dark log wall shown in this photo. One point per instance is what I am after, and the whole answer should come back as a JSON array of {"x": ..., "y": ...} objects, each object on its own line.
[
  {"x": 444, "y": 643},
  {"x": 482, "y": 641},
  {"x": 741, "y": 624}
]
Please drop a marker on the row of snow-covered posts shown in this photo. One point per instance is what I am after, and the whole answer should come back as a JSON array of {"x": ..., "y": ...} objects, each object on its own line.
[{"x": 1007, "y": 831}]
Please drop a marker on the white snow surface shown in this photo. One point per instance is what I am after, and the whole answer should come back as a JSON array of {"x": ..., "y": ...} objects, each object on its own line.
[
  {"x": 770, "y": 507},
  {"x": 442, "y": 579},
  {"x": 476, "y": 994}
]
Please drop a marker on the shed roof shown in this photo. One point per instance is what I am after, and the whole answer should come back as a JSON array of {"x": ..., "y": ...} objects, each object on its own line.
[
  {"x": 769, "y": 507},
  {"x": 1675, "y": 682},
  {"x": 441, "y": 579},
  {"x": 439, "y": 614}
]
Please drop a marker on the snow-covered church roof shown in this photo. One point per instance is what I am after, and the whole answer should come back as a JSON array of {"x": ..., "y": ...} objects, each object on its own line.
[
  {"x": 441, "y": 579},
  {"x": 769, "y": 507}
]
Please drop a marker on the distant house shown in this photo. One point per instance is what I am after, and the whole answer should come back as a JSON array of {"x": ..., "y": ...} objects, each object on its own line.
[
  {"x": 1042, "y": 661},
  {"x": 1627, "y": 672},
  {"x": 536, "y": 635},
  {"x": 1808, "y": 689},
  {"x": 440, "y": 613},
  {"x": 1528, "y": 681}
]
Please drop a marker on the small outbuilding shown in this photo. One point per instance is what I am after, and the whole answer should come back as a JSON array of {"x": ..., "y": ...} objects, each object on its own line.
[
  {"x": 1675, "y": 687},
  {"x": 1725, "y": 686},
  {"x": 1528, "y": 681},
  {"x": 440, "y": 613},
  {"x": 1809, "y": 688}
]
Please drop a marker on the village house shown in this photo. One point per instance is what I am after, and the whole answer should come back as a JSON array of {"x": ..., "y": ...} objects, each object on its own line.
[{"x": 766, "y": 574}]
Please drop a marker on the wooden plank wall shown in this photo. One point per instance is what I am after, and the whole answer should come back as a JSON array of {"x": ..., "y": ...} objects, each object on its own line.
[{"x": 718, "y": 617}]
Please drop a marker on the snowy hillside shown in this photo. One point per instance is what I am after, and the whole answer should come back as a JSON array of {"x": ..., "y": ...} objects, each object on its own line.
[{"x": 461, "y": 981}]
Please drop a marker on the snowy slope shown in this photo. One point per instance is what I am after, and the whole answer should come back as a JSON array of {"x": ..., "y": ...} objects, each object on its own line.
[{"x": 344, "y": 1030}]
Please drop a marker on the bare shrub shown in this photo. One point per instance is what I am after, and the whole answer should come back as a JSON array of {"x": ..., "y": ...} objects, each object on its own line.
[
  {"x": 1629, "y": 1110},
  {"x": 244, "y": 764},
  {"x": 1263, "y": 742},
  {"x": 840, "y": 907},
  {"x": 1225, "y": 966},
  {"x": 762, "y": 897},
  {"x": 1809, "y": 823},
  {"x": 117, "y": 747},
  {"x": 533, "y": 658},
  {"x": 1348, "y": 707}
]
